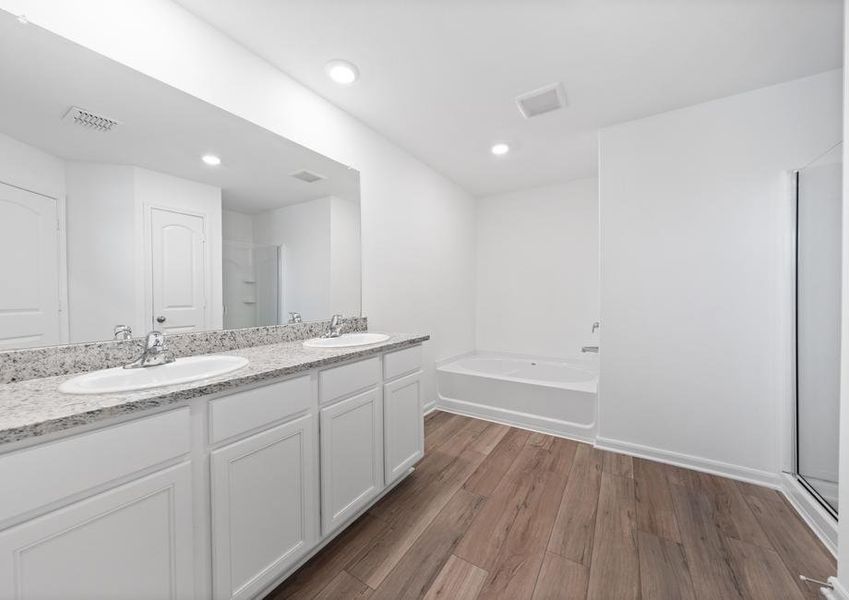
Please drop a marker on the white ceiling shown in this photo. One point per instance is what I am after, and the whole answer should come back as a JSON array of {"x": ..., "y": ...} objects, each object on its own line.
[
  {"x": 439, "y": 77},
  {"x": 162, "y": 129}
]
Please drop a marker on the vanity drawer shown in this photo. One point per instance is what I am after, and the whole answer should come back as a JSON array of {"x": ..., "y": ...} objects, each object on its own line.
[
  {"x": 402, "y": 362},
  {"x": 47, "y": 473},
  {"x": 243, "y": 411},
  {"x": 341, "y": 381}
]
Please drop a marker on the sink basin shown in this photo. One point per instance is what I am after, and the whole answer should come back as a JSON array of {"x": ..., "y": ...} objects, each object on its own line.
[
  {"x": 183, "y": 370},
  {"x": 347, "y": 340}
]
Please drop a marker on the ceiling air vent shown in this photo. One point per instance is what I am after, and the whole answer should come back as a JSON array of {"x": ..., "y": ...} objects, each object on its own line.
[
  {"x": 308, "y": 176},
  {"x": 545, "y": 99},
  {"x": 89, "y": 120}
]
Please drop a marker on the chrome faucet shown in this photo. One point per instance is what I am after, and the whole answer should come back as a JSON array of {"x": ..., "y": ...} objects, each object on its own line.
[
  {"x": 155, "y": 352},
  {"x": 122, "y": 332},
  {"x": 335, "y": 328},
  {"x": 596, "y": 325},
  {"x": 295, "y": 317},
  {"x": 589, "y": 349}
]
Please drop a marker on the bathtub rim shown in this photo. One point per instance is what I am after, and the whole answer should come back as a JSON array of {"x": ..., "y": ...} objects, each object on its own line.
[{"x": 588, "y": 386}]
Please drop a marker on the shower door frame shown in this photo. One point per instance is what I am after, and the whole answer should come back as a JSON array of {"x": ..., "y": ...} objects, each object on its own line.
[{"x": 822, "y": 502}]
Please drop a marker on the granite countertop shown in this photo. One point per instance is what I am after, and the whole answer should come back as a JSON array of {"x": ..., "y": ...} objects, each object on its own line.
[{"x": 36, "y": 407}]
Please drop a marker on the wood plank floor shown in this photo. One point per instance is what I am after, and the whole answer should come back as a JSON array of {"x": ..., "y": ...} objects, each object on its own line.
[{"x": 497, "y": 512}]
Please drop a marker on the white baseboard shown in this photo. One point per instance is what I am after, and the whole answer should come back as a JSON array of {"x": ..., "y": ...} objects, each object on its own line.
[
  {"x": 518, "y": 419},
  {"x": 706, "y": 465},
  {"x": 814, "y": 515},
  {"x": 428, "y": 408}
]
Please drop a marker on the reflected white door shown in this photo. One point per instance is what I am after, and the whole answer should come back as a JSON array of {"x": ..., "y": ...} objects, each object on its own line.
[
  {"x": 178, "y": 271},
  {"x": 29, "y": 269}
]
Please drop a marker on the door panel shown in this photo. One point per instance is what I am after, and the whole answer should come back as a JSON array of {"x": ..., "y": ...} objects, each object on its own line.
[
  {"x": 29, "y": 263},
  {"x": 351, "y": 457},
  {"x": 403, "y": 425},
  {"x": 178, "y": 271},
  {"x": 134, "y": 541},
  {"x": 264, "y": 506}
]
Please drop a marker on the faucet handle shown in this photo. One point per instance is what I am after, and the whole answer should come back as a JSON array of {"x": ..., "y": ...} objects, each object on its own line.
[
  {"x": 122, "y": 332},
  {"x": 155, "y": 339},
  {"x": 596, "y": 325}
]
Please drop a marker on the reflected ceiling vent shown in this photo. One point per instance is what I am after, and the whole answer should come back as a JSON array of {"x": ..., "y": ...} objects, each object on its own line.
[
  {"x": 90, "y": 120},
  {"x": 545, "y": 99},
  {"x": 308, "y": 176}
]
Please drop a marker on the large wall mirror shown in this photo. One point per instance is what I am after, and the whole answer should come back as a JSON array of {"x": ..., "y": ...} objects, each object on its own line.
[{"x": 115, "y": 209}]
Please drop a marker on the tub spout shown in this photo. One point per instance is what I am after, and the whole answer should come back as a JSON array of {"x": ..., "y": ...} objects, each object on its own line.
[{"x": 589, "y": 349}]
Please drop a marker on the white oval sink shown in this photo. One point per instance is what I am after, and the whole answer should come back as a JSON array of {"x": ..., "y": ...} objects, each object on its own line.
[
  {"x": 347, "y": 340},
  {"x": 182, "y": 370}
]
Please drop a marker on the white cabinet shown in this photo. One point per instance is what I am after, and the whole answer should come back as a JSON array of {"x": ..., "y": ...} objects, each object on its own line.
[
  {"x": 108, "y": 513},
  {"x": 133, "y": 541},
  {"x": 264, "y": 506},
  {"x": 403, "y": 424},
  {"x": 351, "y": 457}
]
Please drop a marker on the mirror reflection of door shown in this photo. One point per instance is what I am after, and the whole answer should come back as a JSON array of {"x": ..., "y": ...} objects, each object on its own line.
[
  {"x": 243, "y": 217},
  {"x": 178, "y": 271},
  {"x": 29, "y": 262}
]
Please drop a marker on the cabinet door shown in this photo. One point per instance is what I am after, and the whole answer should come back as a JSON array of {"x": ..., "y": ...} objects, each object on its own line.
[
  {"x": 403, "y": 425},
  {"x": 134, "y": 541},
  {"x": 264, "y": 506},
  {"x": 351, "y": 457}
]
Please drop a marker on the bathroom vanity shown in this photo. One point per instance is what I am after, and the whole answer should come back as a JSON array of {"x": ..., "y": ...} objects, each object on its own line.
[
  {"x": 212, "y": 489},
  {"x": 156, "y": 216}
]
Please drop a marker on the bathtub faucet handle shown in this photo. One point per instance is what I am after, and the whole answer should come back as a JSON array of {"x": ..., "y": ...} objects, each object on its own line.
[{"x": 596, "y": 325}]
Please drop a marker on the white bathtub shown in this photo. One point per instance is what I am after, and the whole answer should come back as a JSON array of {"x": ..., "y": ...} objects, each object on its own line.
[{"x": 549, "y": 395}]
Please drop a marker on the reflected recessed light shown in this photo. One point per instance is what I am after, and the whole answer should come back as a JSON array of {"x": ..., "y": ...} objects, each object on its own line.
[
  {"x": 211, "y": 160},
  {"x": 500, "y": 149},
  {"x": 23, "y": 19},
  {"x": 342, "y": 72}
]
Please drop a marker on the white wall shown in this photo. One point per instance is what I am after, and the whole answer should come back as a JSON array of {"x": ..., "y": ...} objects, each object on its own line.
[
  {"x": 102, "y": 262},
  {"x": 27, "y": 167},
  {"x": 237, "y": 226},
  {"x": 303, "y": 230},
  {"x": 537, "y": 270},
  {"x": 345, "y": 259},
  {"x": 418, "y": 227},
  {"x": 696, "y": 232}
]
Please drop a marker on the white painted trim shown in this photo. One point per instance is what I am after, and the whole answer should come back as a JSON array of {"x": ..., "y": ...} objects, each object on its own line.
[
  {"x": 428, "y": 408},
  {"x": 706, "y": 465},
  {"x": 521, "y": 420},
  {"x": 64, "y": 298},
  {"x": 814, "y": 515}
]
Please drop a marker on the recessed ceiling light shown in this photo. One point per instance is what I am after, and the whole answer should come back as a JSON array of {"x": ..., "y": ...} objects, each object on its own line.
[
  {"x": 342, "y": 72},
  {"x": 500, "y": 149},
  {"x": 211, "y": 160}
]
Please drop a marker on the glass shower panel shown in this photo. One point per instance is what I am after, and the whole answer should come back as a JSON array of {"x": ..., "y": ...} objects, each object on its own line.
[{"x": 818, "y": 279}]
